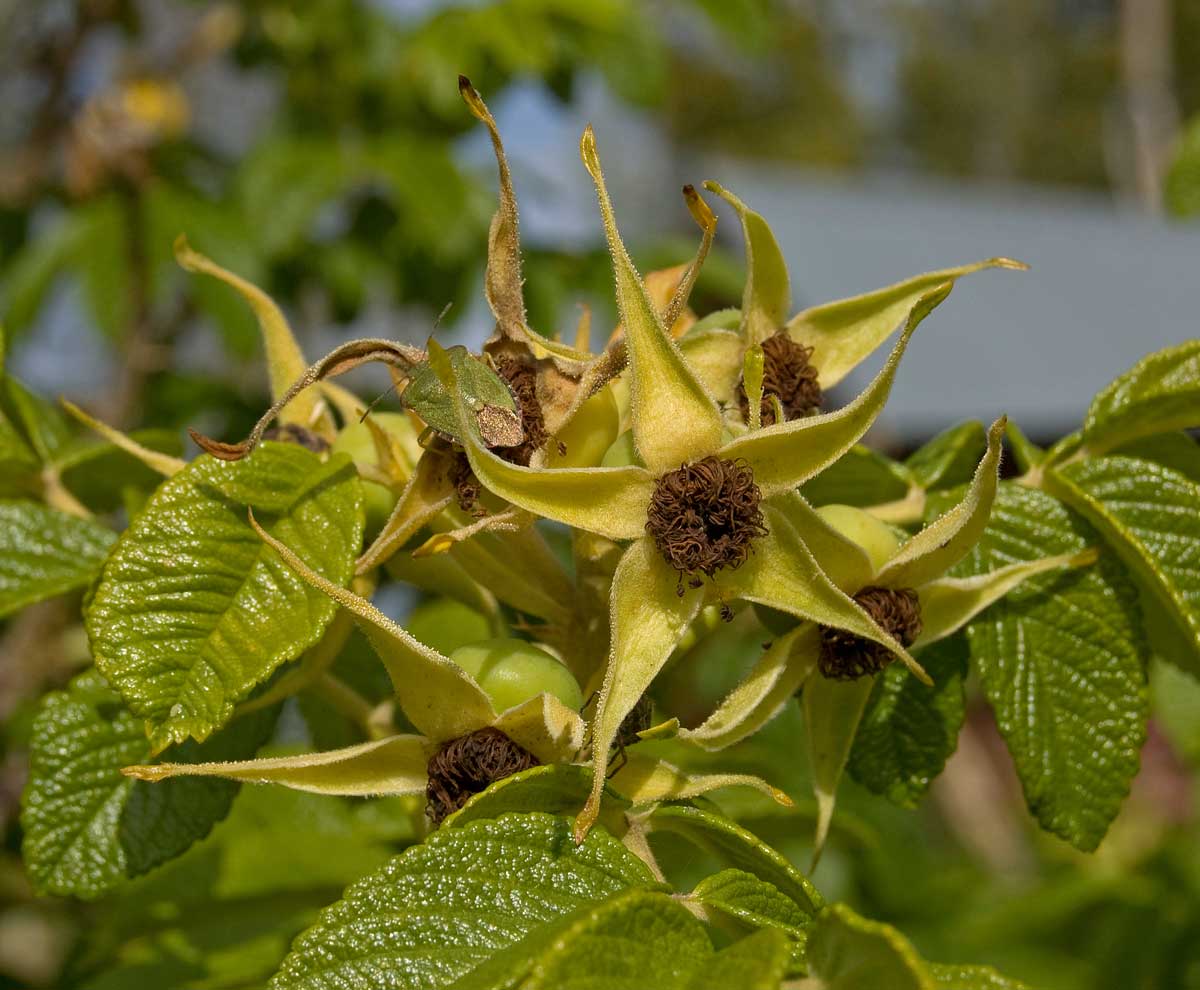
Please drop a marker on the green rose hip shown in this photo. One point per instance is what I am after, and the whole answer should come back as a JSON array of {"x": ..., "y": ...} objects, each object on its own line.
[{"x": 511, "y": 671}]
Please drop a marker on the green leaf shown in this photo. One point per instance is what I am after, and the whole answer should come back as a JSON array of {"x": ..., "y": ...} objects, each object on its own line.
[
  {"x": 1062, "y": 660},
  {"x": 756, "y": 903},
  {"x": 1159, "y": 393},
  {"x": 949, "y": 459},
  {"x": 674, "y": 419},
  {"x": 739, "y": 848},
  {"x": 1150, "y": 515},
  {"x": 553, "y": 789},
  {"x": 638, "y": 939},
  {"x": 908, "y": 730},
  {"x": 46, "y": 553},
  {"x": 193, "y": 610},
  {"x": 41, "y": 423},
  {"x": 845, "y": 332},
  {"x": 1177, "y": 451},
  {"x": 87, "y": 826},
  {"x": 848, "y": 952},
  {"x": 953, "y": 977},
  {"x": 859, "y": 477},
  {"x": 442, "y": 909},
  {"x": 758, "y": 962},
  {"x": 161, "y": 821},
  {"x": 646, "y": 939}
]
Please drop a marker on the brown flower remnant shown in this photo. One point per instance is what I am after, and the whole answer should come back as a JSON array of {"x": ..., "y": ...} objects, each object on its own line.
[
  {"x": 467, "y": 765},
  {"x": 847, "y": 657},
  {"x": 705, "y": 515},
  {"x": 522, "y": 381},
  {"x": 467, "y": 488},
  {"x": 789, "y": 376}
]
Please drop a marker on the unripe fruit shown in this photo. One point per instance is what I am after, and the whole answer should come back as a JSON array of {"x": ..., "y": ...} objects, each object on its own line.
[
  {"x": 589, "y": 433},
  {"x": 357, "y": 441},
  {"x": 512, "y": 671},
  {"x": 446, "y": 624},
  {"x": 875, "y": 536}
]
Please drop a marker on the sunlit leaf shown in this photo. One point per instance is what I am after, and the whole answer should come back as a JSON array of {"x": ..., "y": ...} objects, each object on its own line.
[
  {"x": 1159, "y": 393},
  {"x": 192, "y": 611},
  {"x": 46, "y": 553},
  {"x": 444, "y": 909}
]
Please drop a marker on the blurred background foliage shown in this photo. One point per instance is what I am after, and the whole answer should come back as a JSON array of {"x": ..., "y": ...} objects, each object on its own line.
[{"x": 321, "y": 150}]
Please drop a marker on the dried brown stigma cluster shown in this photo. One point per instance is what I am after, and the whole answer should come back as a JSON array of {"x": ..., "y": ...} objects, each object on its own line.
[
  {"x": 522, "y": 381},
  {"x": 467, "y": 765},
  {"x": 789, "y": 376},
  {"x": 705, "y": 515},
  {"x": 466, "y": 486},
  {"x": 847, "y": 657}
]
